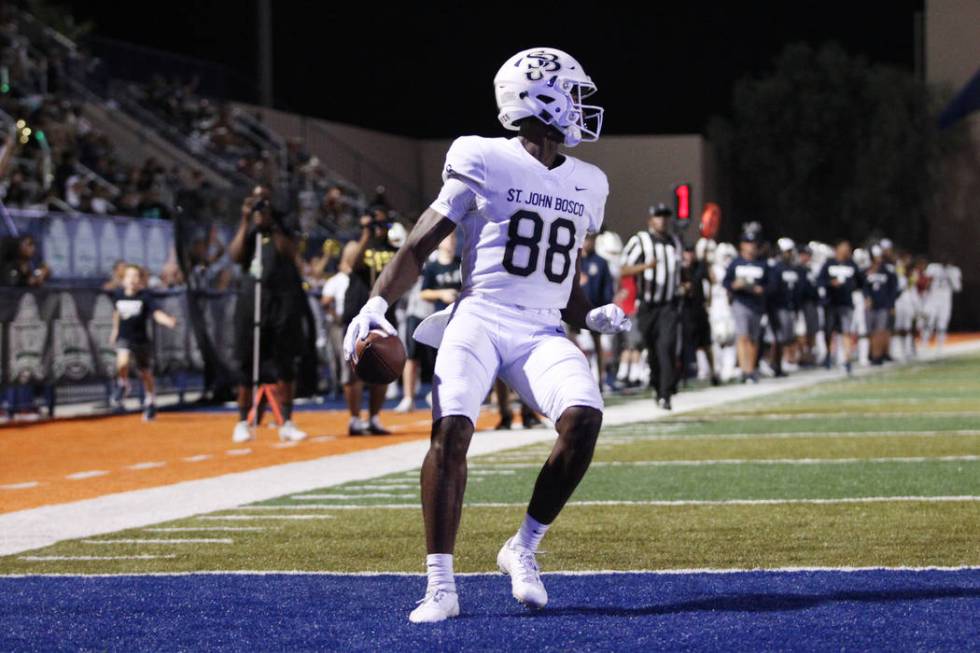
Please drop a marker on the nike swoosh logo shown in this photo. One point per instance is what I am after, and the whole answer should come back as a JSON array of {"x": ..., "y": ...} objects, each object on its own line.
[{"x": 577, "y": 188}]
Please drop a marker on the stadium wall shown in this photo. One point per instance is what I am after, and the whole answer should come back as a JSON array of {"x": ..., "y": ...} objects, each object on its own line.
[
  {"x": 641, "y": 169},
  {"x": 952, "y": 58}
]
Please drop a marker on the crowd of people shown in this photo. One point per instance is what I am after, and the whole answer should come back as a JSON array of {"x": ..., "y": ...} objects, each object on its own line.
[{"x": 59, "y": 160}]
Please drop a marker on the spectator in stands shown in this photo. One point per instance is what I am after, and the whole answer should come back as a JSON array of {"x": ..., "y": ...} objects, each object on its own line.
[
  {"x": 332, "y": 300},
  {"x": 335, "y": 216},
  {"x": 152, "y": 207},
  {"x": 374, "y": 252},
  {"x": 18, "y": 267}
]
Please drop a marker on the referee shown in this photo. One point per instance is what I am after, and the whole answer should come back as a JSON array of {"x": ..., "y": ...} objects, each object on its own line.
[{"x": 653, "y": 256}]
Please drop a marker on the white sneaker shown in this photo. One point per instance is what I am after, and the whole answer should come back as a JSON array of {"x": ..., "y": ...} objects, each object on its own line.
[
  {"x": 289, "y": 433},
  {"x": 242, "y": 432},
  {"x": 436, "y": 606},
  {"x": 525, "y": 576},
  {"x": 407, "y": 404}
]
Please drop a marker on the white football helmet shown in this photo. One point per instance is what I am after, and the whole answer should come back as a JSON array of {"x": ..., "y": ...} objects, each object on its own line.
[{"x": 549, "y": 85}]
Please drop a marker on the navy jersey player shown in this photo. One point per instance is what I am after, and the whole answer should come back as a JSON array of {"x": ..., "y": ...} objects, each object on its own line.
[{"x": 522, "y": 210}]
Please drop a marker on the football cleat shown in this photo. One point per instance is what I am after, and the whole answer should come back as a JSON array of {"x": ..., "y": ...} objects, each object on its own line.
[
  {"x": 525, "y": 576},
  {"x": 149, "y": 413},
  {"x": 289, "y": 433},
  {"x": 242, "y": 432},
  {"x": 436, "y": 606}
]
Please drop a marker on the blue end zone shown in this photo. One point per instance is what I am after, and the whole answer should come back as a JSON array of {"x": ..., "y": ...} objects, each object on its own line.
[{"x": 882, "y": 610}]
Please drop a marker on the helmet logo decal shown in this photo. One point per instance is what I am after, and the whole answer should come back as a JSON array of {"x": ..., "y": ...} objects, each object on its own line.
[{"x": 543, "y": 62}]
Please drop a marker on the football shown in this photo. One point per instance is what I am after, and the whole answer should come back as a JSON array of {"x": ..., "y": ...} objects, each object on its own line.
[{"x": 378, "y": 358}]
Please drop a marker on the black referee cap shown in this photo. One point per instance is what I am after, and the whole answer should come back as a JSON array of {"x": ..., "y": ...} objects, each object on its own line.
[{"x": 661, "y": 209}]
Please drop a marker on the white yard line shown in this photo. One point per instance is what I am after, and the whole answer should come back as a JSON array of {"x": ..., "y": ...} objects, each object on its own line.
[
  {"x": 193, "y": 540},
  {"x": 254, "y": 517},
  {"x": 81, "y": 476},
  {"x": 197, "y": 459},
  {"x": 391, "y": 486},
  {"x": 628, "y": 439},
  {"x": 58, "y": 558},
  {"x": 20, "y": 486},
  {"x": 205, "y": 529},
  {"x": 419, "y": 574},
  {"x": 750, "y": 461},
  {"x": 653, "y": 502},
  {"x": 367, "y": 495},
  {"x": 37, "y": 527},
  {"x": 148, "y": 465}
]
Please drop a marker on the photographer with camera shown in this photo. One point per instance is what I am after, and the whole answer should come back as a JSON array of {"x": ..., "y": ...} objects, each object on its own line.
[{"x": 267, "y": 254}]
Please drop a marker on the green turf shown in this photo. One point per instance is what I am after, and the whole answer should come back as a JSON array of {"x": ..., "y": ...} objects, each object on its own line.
[
  {"x": 923, "y": 411},
  {"x": 586, "y": 537}
]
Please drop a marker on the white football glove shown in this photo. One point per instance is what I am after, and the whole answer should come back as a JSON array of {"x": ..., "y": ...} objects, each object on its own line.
[
  {"x": 371, "y": 316},
  {"x": 608, "y": 319}
]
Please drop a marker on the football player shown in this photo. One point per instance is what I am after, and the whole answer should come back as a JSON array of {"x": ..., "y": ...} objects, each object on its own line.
[
  {"x": 944, "y": 280},
  {"x": 522, "y": 209}
]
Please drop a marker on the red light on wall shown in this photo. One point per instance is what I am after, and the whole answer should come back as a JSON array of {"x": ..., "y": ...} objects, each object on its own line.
[{"x": 682, "y": 201}]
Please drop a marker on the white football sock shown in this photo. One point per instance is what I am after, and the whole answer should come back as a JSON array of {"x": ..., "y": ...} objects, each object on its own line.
[
  {"x": 355, "y": 422},
  {"x": 439, "y": 567},
  {"x": 151, "y": 398},
  {"x": 530, "y": 533},
  {"x": 375, "y": 421}
]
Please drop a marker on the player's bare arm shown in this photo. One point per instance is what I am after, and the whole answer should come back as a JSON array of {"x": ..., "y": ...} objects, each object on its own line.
[
  {"x": 578, "y": 303},
  {"x": 400, "y": 275}
]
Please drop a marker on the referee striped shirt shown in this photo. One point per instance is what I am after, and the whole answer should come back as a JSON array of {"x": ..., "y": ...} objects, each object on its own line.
[{"x": 656, "y": 285}]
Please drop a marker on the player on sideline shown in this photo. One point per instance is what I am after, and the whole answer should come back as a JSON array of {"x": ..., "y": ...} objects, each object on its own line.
[
  {"x": 523, "y": 210},
  {"x": 133, "y": 306}
]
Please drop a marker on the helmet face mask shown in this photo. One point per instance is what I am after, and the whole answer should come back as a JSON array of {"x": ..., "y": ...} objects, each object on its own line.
[{"x": 549, "y": 85}]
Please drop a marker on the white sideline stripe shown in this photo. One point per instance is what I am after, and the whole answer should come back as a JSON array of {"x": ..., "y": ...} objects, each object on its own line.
[
  {"x": 79, "y": 476},
  {"x": 761, "y": 461},
  {"x": 475, "y": 470},
  {"x": 201, "y": 529},
  {"x": 418, "y": 574},
  {"x": 366, "y": 495},
  {"x": 284, "y": 445},
  {"x": 196, "y": 459},
  {"x": 20, "y": 486},
  {"x": 238, "y": 452},
  {"x": 642, "y": 502},
  {"x": 149, "y": 465},
  {"x": 134, "y": 557},
  {"x": 195, "y": 540},
  {"x": 390, "y": 486},
  {"x": 323, "y": 438},
  {"x": 24, "y": 530},
  {"x": 253, "y": 517}
]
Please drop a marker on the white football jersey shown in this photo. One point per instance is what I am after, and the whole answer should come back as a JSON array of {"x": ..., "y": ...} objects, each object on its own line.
[{"x": 522, "y": 224}]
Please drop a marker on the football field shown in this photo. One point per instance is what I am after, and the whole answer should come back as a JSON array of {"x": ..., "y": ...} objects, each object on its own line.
[{"x": 841, "y": 514}]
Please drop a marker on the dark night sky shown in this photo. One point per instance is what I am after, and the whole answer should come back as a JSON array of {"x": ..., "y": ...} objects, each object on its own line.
[{"x": 426, "y": 71}]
